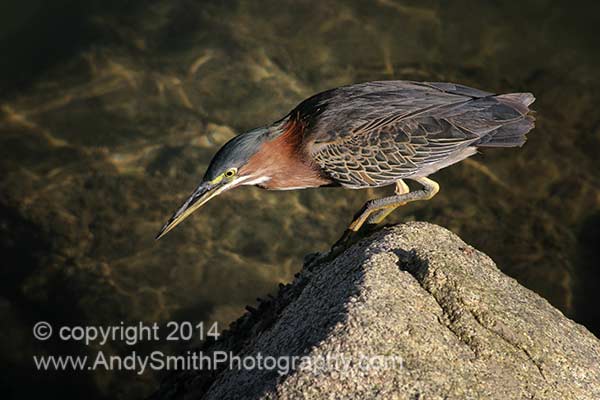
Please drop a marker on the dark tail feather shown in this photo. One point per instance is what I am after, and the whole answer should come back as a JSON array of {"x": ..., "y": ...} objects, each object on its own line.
[
  {"x": 513, "y": 133},
  {"x": 519, "y": 101}
]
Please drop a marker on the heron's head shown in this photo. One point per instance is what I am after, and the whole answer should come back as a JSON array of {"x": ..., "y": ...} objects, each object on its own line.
[{"x": 228, "y": 169}]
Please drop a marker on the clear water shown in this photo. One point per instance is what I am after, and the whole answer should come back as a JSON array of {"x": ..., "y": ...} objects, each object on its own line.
[{"x": 109, "y": 115}]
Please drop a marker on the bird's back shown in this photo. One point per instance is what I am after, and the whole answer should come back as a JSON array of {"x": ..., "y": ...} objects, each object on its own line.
[{"x": 374, "y": 133}]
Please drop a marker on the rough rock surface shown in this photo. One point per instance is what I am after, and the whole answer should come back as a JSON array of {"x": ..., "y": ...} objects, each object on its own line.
[{"x": 415, "y": 293}]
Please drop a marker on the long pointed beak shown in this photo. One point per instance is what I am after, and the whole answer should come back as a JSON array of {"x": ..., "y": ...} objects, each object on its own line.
[{"x": 201, "y": 195}]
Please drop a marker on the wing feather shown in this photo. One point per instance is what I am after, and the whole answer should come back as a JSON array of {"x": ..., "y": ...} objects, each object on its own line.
[{"x": 375, "y": 133}]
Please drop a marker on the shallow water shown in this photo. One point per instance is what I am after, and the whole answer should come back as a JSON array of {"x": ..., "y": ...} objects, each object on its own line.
[{"x": 109, "y": 116}]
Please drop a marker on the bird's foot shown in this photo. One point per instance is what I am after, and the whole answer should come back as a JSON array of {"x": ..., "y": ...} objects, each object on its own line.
[{"x": 350, "y": 237}]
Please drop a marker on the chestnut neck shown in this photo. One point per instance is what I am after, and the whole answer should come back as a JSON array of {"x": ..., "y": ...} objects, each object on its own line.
[{"x": 285, "y": 162}]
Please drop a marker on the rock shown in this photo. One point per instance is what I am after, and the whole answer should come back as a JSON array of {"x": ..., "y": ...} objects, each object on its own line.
[{"x": 436, "y": 317}]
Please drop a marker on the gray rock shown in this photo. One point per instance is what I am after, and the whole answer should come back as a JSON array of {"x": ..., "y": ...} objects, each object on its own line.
[{"x": 417, "y": 314}]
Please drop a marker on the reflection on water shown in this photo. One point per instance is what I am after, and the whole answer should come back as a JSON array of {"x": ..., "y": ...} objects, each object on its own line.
[{"x": 110, "y": 115}]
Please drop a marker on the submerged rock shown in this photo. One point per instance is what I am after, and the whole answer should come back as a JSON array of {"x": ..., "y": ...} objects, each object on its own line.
[{"x": 410, "y": 312}]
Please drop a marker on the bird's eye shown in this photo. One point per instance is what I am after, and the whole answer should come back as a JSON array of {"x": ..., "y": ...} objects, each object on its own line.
[{"x": 230, "y": 173}]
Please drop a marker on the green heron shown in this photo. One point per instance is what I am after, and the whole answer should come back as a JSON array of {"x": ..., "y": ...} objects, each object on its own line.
[{"x": 367, "y": 135}]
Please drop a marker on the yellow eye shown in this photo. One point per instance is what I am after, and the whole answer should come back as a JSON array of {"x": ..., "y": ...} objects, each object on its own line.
[{"x": 230, "y": 173}]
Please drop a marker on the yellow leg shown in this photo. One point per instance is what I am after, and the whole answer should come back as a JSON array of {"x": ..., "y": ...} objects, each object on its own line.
[
  {"x": 386, "y": 205},
  {"x": 377, "y": 217}
]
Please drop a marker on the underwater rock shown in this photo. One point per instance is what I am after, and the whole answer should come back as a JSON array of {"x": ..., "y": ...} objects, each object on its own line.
[{"x": 410, "y": 312}]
